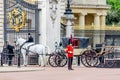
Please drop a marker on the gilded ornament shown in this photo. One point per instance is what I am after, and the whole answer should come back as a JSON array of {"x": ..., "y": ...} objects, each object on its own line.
[{"x": 17, "y": 19}]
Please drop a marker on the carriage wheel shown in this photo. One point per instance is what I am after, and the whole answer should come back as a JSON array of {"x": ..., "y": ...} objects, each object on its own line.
[
  {"x": 83, "y": 60},
  {"x": 91, "y": 58},
  {"x": 61, "y": 60},
  {"x": 51, "y": 60}
]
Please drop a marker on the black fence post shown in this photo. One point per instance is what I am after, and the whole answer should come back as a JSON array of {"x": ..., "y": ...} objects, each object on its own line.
[
  {"x": 2, "y": 59},
  {"x": 18, "y": 58},
  {"x": 78, "y": 60}
]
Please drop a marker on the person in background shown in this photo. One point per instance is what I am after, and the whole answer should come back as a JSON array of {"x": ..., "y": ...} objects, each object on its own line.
[
  {"x": 3, "y": 54},
  {"x": 30, "y": 38},
  {"x": 69, "y": 51},
  {"x": 10, "y": 53},
  {"x": 61, "y": 47}
]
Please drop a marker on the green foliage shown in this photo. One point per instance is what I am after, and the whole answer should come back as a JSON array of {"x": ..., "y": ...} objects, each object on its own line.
[
  {"x": 114, "y": 13},
  {"x": 115, "y": 4}
]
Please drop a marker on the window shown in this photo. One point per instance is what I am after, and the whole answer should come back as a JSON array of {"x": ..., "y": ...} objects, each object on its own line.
[{"x": 76, "y": 43}]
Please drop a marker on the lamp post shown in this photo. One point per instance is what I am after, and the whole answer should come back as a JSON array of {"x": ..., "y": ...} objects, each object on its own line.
[{"x": 69, "y": 17}]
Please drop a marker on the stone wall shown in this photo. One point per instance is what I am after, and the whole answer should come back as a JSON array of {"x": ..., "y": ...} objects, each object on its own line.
[
  {"x": 90, "y": 2},
  {"x": 49, "y": 19},
  {"x": 1, "y": 23}
]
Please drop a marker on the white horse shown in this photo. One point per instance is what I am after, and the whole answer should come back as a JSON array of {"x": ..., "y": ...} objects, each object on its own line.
[{"x": 39, "y": 49}]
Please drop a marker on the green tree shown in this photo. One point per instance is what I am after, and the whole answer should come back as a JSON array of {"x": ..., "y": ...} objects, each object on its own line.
[
  {"x": 115, "y": 4},
  {"x": 114, "y": 13}
]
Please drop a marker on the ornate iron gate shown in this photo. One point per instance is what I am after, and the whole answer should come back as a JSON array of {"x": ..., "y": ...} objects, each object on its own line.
[{"x": 31, "y": 23}]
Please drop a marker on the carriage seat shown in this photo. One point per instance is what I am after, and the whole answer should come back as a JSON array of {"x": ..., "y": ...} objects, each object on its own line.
[{"x": 79, "y": 51}]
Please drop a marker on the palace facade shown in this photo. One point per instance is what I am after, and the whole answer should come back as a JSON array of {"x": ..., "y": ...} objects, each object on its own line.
[{"x": 90, "y": 19}]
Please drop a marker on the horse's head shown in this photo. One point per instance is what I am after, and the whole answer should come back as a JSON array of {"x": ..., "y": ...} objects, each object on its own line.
[{"x": 19, "y": 41}]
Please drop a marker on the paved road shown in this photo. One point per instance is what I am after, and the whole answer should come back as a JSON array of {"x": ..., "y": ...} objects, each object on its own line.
[{"x": 79, "y": 73}]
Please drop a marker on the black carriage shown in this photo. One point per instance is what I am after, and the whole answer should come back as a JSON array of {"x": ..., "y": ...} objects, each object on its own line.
[{"x": 85, "y": 54}]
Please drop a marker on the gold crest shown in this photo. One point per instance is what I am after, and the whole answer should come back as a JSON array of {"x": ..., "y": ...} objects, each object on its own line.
[{"x": 17, "y": 19}]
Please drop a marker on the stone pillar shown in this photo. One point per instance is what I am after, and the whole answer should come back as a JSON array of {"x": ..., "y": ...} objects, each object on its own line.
[
  {"x": 42, "y": 21},
  {"x": 96, "y": 36},
  {"x": 82, "y": 20},
  {"x": 103, "y": 27},
  {"x": 69, "y": 29},
  {"x": 1, "y": 24},
  {"x": 97, "y": 22},
  {"x": 82, "y": 23},
  {"x": 103, "y": 22}
]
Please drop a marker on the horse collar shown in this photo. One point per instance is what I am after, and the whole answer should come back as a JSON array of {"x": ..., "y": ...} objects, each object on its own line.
[{"x": 22, "y": 46}]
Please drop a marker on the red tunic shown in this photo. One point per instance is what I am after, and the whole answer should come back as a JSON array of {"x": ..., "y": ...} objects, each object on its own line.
[{"x": 69, "y": 50}]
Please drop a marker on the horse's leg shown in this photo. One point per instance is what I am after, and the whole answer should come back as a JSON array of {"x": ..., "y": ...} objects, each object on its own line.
[
  {"x": 45, "y": 60},
  {"x": 24, "y": 59},
  {"x": 41, "y": 60},
  {"x": 46, "y": 57}
]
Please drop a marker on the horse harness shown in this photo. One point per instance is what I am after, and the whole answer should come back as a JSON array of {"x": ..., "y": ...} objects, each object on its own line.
[{"x": 28, "y": 47}]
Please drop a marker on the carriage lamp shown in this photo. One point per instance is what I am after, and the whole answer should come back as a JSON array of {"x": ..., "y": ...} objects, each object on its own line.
[{"x": 68, "y": 17}]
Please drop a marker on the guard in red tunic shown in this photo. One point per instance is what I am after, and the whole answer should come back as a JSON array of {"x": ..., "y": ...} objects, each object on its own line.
[{"x": 69, "y": 51}]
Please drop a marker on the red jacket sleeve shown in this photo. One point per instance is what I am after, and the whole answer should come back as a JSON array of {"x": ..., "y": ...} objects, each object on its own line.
[{"x": 67, "y": 49}]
